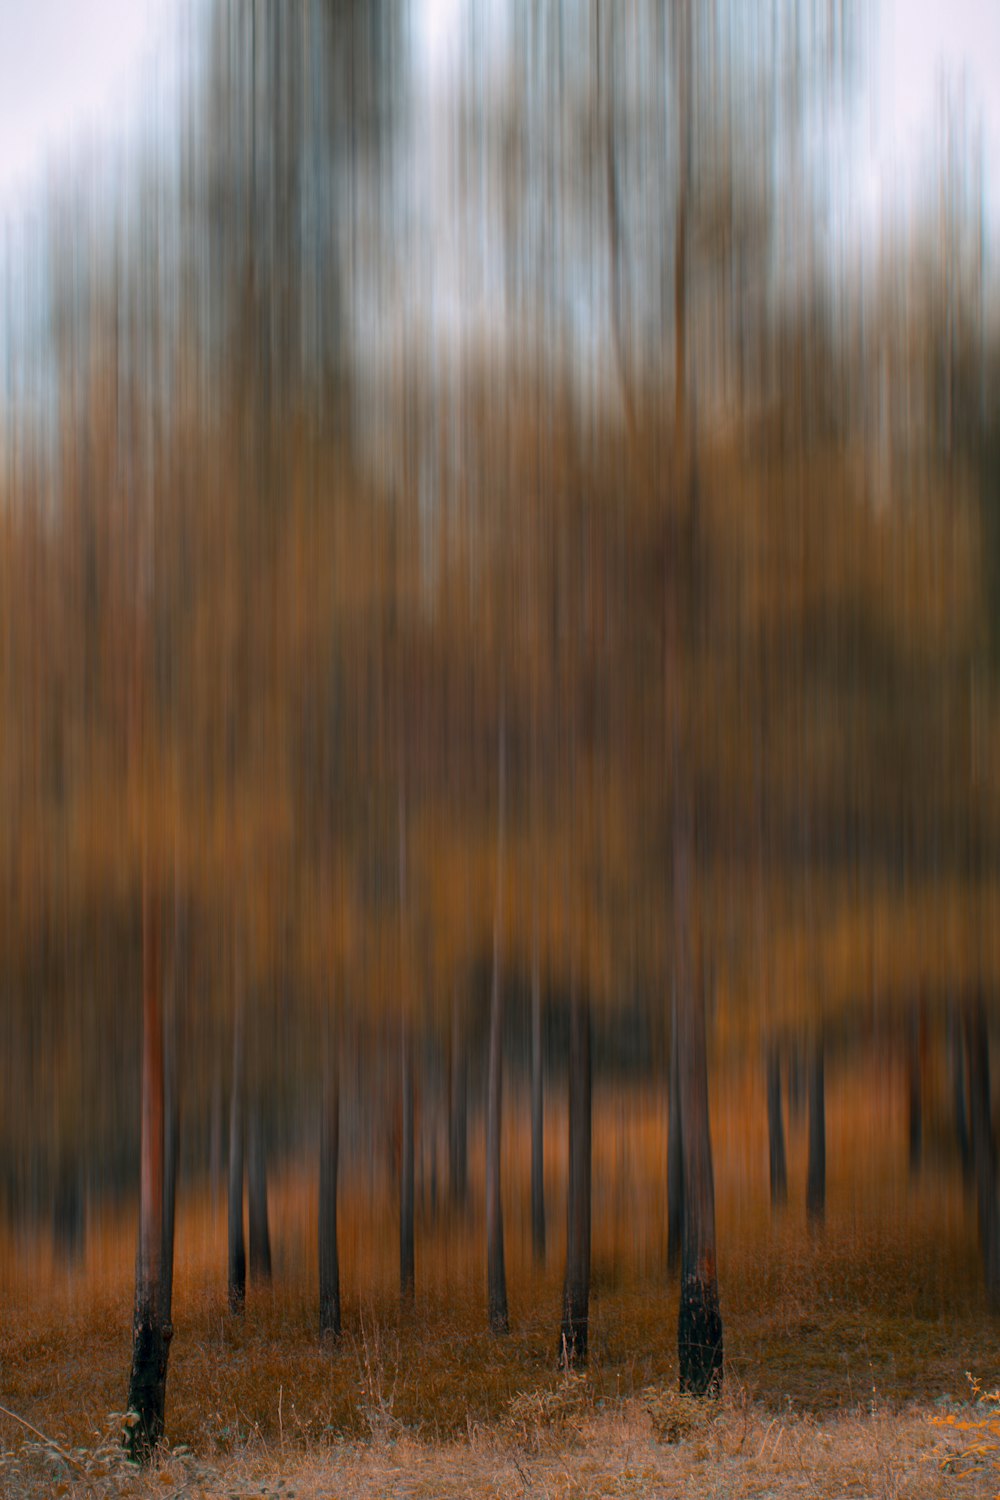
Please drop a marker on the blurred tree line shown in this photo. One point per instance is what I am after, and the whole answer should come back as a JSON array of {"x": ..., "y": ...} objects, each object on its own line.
[{"x": 644, "y": 648}]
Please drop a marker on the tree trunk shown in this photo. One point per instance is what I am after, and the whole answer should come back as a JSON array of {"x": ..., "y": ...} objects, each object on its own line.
[
  {"x": 171, "y": 1114},
  {"x": 576, "y": 1287},
  {"x": 458, "y": 1132},
  {"x": 699, "y": 1323},
  {"x": 406, "y": 1256},
  {"x": 958, "y": 1094},
  {"x": 984, "y": 1152},
  {"x": 537, "y": 1120},
  {"x": 496, "y": 1274},
  {"x": 675, "y": 1153},
  {"x": 914, "y": 1096},
  {"x": 816, "y": 1175},
  {"x": 237, "y": 1274},
  {"x": 260, "y": 1234},
  {"x": 151, "y": 1331},
  {"x": 776, "y": 1130},
  {"x": 329, "y": 1163}
]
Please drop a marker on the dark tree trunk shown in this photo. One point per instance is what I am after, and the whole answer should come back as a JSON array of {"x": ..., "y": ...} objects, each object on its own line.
[
  {"x": 699, "y": 1323},
  {"x": 151, "y": 1331},
  {"x": 816, "y": 1174},
  {"x": 260, "y": 1233},
  {"x": 958, "y": 1094},
  {"x": 537, "y": 1120},
  {"x": 675, "y": 1154},
  {"x": 216, "y": 1129},
  {"x": 68, "y": 1214},
  {"x": 576, "y": 1287},
  {"x": 406, "y": 1199},
  {"x": 458, "y": 1128},
  {"x": 984, "y": 1152},
  {"x": 237, "y": 1264},
  {"x": 776, "y": 1130},
  {"x": 914, "y": 1096},
  {"x": 496, "y": 1273},
  {"x": 171, "y": 1116},
  {"x": 329, "y": 1163}
]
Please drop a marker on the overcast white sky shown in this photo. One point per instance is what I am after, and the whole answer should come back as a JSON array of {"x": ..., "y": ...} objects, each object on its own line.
[{"x": 73, "y": 68}]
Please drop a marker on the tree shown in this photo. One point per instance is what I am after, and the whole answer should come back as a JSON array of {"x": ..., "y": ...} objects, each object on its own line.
[{"x": 496, "y": 1273}]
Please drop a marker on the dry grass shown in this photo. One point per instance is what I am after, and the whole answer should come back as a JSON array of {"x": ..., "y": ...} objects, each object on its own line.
[{"x": 846, "y": 1350}]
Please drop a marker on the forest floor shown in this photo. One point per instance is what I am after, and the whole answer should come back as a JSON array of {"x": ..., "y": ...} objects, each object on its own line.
[
  {"x": 838, "y": 1383},
  {"x": 566, "y": 1443},
  {"x": 860, "y": 1356}
]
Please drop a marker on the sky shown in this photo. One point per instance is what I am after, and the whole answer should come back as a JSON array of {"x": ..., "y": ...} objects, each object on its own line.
[
  {"x": 71, "y": 71},
  {"x": 921, "y": 45}
]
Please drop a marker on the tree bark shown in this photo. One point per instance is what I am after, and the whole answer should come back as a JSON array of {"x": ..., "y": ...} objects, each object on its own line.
[
  {"x": 171, "y": 1110},
  {"x": 406, "y": 1198},
  {"x": 958, "y": 1093},
  {"x": 816, "y": 1174},
  {"x": 458, "y": 1131},
  {"x": 776, "y": 1130},
  {"x": 537, "y": 1120},
  {"x": 260, "y": 1234},
  {"x": 675, "y": 1153},
  {"x": 237, "y": 1265},
  {"x": 151, "y": 1331},
  {"x": 496, "y": 1273},
  {"x": 576, "y": 1286},
  {"x": 699, "y": 1323},
  {"x": 984, "y": 1151},
  {"x": 914, "y": 1097},
  {"x": 329, "y": 1163}
]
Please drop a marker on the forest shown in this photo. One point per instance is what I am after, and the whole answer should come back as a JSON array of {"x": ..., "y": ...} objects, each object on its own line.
[{"x": 499, "y": 863}]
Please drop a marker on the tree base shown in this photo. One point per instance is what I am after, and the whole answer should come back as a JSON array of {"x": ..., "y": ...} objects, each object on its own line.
[
  {"x": 147, "y": 1387},
  {"x": 573, "y": 1344},
  {"x": 699, "y": 1338}
]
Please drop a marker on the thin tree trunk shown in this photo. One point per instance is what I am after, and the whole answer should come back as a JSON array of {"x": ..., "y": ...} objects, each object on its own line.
[
  {"x": 576, "y": 1287},
  {"x": 682, "y": 48},
  {"x": 260, "y": 1233},
  {"x": 675, "y": 1152},
  {"x": 699, "y": 1323},
  {"x": 776, "y": 1130},
  {"x": 329, "y": 1163},
  {"x": 151, "y": 1331},
  {"x": 816, "y": 1174},
  {"x": 496, "y": 1274},
  {"x": 237, "y": 1268},
  {"x": 984, "y": 1151},
  {"x": 458, "y": 1132},
  {"x": 914, "y": 1096},
  {"x": 171, "y": 1109},
  {"x": 958, "y": 1094},
  {"x": 406, "y": 1197},
  {"x": 537, "y": 1118}
]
